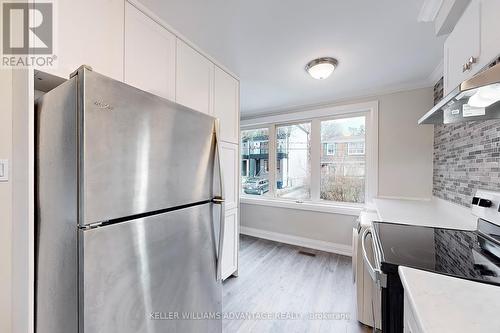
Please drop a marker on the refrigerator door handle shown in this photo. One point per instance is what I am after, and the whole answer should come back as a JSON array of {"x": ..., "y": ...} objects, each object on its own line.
[{"x": 220, "y": 200}]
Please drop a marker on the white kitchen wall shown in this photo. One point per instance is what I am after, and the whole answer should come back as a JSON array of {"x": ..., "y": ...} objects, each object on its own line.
[
  {"x": 405, "y": 148},
  {"x": 405, "y": 171},
  {"x": 5, "y": 202},
  {"x": 334, "y": 229}
]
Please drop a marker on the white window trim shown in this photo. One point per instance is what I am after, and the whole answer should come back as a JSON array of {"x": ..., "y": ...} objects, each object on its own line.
[
  {"x": 368, "y": 109},
  {"x": 352, "y": 209}
]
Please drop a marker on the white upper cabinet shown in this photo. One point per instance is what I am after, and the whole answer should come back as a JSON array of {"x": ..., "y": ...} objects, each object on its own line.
[
  {"x": 149, "y": 54},
  {"x": 490, "y": 31},
  {"x": 463, "y": 43},
  {"x": 194, "y": 79},
  {"x": 477, "y": 35},
  {"x": 89, "y": 32},
  {"x": 226, "y": 105}
]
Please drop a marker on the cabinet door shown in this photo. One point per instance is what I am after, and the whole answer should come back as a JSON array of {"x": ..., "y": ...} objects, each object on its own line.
[
  {"x": 229, "y": 157},
  {"x": 90, "y": 32},
  {"x": 226, "y": 105},
  {"x": 490, "y": 31},
  {"x": 149, "y": 54},
  {"x": 194, "y": 79},
  {"x": 462, "y": 43},
  {"x": 230, "y": 246}
]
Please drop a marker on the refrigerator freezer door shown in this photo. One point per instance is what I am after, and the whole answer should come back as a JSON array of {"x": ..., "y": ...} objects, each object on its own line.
[
  {"x": 141, "y": 153},
  {"x": 139, "y": 275}
]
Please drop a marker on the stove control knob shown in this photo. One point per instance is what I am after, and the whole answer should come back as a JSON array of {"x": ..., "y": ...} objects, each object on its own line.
[{"x": 484, "y": 203}]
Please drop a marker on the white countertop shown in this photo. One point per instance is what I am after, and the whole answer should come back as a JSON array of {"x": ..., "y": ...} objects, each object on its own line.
[
  {"x": 435, "y": 212},
  {"x": 444, "y": 304}
]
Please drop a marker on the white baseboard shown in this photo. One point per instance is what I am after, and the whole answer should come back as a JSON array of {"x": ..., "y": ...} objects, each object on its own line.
[{"x": 342, "y": 249}]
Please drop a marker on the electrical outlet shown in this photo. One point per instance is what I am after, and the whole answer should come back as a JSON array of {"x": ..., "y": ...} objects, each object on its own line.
[{"x": 4, "y": 170}]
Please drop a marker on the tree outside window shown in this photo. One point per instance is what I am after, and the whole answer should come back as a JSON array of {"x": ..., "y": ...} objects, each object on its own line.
[{"x": 343, "y": 173}]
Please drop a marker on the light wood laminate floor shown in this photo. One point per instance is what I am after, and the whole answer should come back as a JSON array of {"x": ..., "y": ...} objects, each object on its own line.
[{"x": 275, "y": 278}]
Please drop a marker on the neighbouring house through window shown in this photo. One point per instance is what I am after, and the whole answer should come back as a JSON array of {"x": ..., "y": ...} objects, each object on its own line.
[
  {"x": 356, "y": 148},
  {"x": 321, "y": 159},
  {"x": 255, "y": 161},
  {"x": 330, "y": 148},
  {"x": 343, "y": 174}
]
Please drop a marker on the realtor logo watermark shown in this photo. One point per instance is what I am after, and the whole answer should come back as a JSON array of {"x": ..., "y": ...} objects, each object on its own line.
[{"x": 28, "y": 34}]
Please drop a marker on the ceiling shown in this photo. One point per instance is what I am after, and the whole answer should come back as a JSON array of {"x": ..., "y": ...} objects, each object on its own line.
[{"x": 379, "y": 44}]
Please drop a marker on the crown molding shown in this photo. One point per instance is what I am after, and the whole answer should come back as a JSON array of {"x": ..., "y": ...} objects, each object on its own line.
[
  {"x": 350, "y": 98},
  {"x": 430, "y": 81}
]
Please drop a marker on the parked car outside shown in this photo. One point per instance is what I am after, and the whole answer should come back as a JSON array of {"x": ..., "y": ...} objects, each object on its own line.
[{"x": 256, "y": 186}]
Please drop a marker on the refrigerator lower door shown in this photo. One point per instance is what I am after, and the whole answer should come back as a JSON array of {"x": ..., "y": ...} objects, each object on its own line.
[{"x": 147, "y": 275}]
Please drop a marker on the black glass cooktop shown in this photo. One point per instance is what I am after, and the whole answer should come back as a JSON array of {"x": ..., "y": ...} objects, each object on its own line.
[{"x": 459, "y": 253}]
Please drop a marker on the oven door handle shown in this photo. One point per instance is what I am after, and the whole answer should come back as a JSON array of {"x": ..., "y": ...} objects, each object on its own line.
[{"x": 376, "y": 274}]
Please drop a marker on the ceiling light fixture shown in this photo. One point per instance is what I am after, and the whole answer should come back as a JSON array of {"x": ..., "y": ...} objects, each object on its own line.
[{"x": 321, "y": 68}]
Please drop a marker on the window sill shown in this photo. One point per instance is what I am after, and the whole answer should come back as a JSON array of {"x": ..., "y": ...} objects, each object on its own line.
[{"x": 335, "y": 208}]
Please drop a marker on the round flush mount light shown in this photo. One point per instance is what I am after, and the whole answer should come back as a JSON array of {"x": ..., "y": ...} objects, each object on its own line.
[{"x": 321, "y": 68}]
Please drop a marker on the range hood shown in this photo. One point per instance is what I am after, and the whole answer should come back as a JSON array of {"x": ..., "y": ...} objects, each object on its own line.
[{"x": 478, "y": 98}]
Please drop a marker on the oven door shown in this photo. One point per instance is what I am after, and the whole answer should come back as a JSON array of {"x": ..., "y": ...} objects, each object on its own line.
[{"x": 371, "y": 257}]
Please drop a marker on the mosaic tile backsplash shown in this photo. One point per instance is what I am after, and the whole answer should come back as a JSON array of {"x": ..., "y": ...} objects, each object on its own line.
[{"x": 466, "y": 157}]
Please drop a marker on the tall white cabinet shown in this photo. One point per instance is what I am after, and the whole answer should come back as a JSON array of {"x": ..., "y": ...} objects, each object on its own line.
[
  {"x": 226, "y": 104},
  {"x": 194, "y": 81},
  {"x": 149, "y": 59},
  {"x": 227, "y": 100},
  {"x": 158, "y": 61},
  {"x": 89, "y": 32},
  {"x": 230, "y": 162},
  {"x": 127, "y": 42}
]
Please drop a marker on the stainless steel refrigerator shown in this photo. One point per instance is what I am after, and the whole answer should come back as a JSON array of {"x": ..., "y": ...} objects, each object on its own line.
[{"x": 129, "y": 209}]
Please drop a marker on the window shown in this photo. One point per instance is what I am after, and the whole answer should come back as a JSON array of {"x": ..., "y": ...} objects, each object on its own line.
[
  {"x": 343, "y": 175},
  {"x": 356, "y": 148},
  {"x": 330, "y": 148},
  {"x": 293, "y": 161},
  {"x": 255, "y": 161},
  {"x": 324, "y": 159}
]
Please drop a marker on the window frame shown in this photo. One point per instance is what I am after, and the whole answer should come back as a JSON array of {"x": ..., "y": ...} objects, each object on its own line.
[
  {"x": 315, "y": 116},
  {"x": 270, "y": 154},
  {"x": 345, "y": 116},
  {"x": 274, "y": 172}
]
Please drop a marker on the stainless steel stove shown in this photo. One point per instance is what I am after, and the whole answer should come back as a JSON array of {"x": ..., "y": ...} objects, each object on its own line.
[{"x": 465, "y": 254}]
